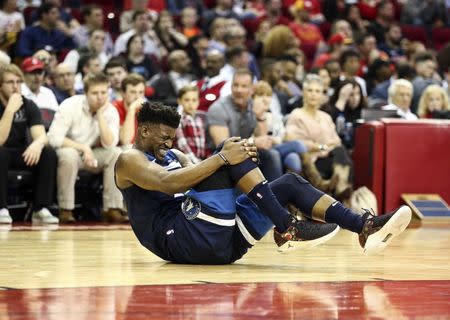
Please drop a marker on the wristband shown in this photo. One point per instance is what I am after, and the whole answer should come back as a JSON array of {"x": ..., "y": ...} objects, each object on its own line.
[{"x": 224, "y": 158}]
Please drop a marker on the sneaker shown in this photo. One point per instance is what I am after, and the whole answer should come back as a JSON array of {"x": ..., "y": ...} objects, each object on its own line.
[
  {"x": 303, "y": 234},
  {"x": 43, "y": 216},
  {"x": 378, "y": 231},
  {"x": 4, "y": 216}
]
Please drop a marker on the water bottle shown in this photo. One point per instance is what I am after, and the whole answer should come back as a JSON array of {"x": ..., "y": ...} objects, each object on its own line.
[
  {"x": 348, "y": 135},
  {"x": 340, "y": 124}
]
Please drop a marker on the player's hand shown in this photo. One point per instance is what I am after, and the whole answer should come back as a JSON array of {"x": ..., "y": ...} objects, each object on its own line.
[
  {"x": 236, "y": 150},
  {"x": 32, "y": 154},
  {"x": 15, "y": 102},
  {"x": 89, "y": 158}
]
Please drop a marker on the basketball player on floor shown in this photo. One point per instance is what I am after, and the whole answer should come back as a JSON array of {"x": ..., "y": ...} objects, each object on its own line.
[{"x": 188, "y": 213}]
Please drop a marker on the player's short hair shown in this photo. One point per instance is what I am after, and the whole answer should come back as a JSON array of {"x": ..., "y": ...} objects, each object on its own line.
[{"x": 158, "y": 113}]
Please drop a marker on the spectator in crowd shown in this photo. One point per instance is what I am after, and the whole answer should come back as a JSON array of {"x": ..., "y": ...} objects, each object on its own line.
[
  {"x": 126, "y": 18},
  {"x": 177, "y": 7},
  {"x": 317, "y": 131},
  {"x": 273, "y": 75},
  {"x": 223, "y": 9},
  {"x": 357, "y": 23},
  {"x": 44, "y": 33},
  {"x": 293, "y": 75},
  {"x": 232, "y": 115},
  {"x": 94, "y": 46},
  {"x": 328, "y": 91},
  {"x": 379, "y": 71},
  {"x": 50, "y": 60},
  {"x": 273, "y": 14},
  {"x": 272, "y": 125},
  {"x": 393, "y": 43},
  {"x": 367, "y": 48},
  {"x": 429, "y": 13},
  {"x": 336, "y": 45},
  {"x": 343, "y": 28},
  {"x": 64, "y": 79},
  {"x": 88, "y": 63},
  {"x": 217, "y": 34},
  {"x": 116, "y": 71},
  {"x": 197, "y": 48},
  {"x": 345, "y": 108},
  {"x": 237, "y": 36},
  {"x": 279, "y": 40},
  {"x": 11, "y": 24},
  {"x": 334, "y": 70},
  {"x": 166, "y": 86},
  {"x": 33, "y": 87},
  {"x": 137, "y": 61},
  {"x": 170, "y": 38},
  {"x": 425, "y": 66},
  {"x": 66, "y": 22},
  {"x": 434, "y": 103},
  {"x": 85, "y": 131},
  {"x": 5, "y": 59},
  {"x": 236, "y": 58},
  {"x": 142, "y": 25},
  {"x": 307, "y": 33},
  {"x": 350, "y": 63},
  {"x": 18, "y": 115},
  {"x": 210, "y": 87},
  {"x": 191, "y": 134},
  {"x": 92, "y": 15},
  {"x": 385, "y": 16},
  {"x": 133, "y": 92},
  {"x": 189, "y": 21},
  {"x": 400, "y": 95}
]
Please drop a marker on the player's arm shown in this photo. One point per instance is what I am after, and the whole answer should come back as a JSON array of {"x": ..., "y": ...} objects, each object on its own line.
[
  {"x": 185, "y": 161},
  {"x": 132, "y": 167}
]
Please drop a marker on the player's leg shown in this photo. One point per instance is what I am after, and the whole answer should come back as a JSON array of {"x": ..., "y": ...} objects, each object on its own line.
[{"x": 375, "y": 232}]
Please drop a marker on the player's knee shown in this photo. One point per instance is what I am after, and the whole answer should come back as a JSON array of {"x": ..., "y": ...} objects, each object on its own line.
[{"x": 293, "y": 177}]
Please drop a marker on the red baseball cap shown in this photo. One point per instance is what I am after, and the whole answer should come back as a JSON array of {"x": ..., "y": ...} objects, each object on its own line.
[{"x": 31, "y": 64}]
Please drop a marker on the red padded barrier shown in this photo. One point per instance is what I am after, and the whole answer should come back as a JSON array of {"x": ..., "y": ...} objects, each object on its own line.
[
  {"x": 368, "y": 159},
  {"x": 417, "y": 159},
  {"x": 396, "y": 156}
]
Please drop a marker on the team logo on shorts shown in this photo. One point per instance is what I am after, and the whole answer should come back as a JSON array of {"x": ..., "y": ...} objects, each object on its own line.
[{"x": 191, "y": 208}]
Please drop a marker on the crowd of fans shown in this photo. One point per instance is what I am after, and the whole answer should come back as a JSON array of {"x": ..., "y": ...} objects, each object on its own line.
[{"x": 293, "y": 75}]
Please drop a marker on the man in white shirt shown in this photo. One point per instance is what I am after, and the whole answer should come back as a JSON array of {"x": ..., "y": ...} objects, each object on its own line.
[
  {"x": 400, "y": 95},
  {"x": 33, "y": 88},
  {"x": 141, "y": 26},
  {"x": 85, "y": 132}
]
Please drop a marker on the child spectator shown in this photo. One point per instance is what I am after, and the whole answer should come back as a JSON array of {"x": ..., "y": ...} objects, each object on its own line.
[{"x": 191, "y": 134}]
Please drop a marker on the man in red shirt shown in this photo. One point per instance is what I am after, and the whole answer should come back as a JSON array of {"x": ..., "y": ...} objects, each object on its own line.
[{"x": 133, "y": 93}]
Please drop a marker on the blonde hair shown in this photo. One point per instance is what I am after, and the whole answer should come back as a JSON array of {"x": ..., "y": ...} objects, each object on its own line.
[
  {"x": 262, "y": 88},
  {"x": 422, "y": 109},
  {"x": 278, "y": 40},
  {"x": 10, "y": 68}
]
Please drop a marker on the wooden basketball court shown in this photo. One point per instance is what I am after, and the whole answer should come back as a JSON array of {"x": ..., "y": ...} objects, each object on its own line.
[{"x": 102, "y": 272}]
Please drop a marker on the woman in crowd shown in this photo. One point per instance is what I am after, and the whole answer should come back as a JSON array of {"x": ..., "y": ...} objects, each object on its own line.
[
  {"x": 271, "y": 124},
  {"x": 434, "y": 103},
  {"x": 345, "y": 108},
  {"x": 170, "y": 38},
  {"x": 317, "y": 131},
  {"x": 137, "y": 61}
]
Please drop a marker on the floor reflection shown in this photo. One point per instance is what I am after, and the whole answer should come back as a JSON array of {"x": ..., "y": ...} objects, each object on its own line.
[{"x": 319, "y": 300}]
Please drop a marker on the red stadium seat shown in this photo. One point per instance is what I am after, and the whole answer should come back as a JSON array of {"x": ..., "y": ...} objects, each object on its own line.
[
  {"x": 440, "y": 37},
  {"x": 415, "y": 33}
]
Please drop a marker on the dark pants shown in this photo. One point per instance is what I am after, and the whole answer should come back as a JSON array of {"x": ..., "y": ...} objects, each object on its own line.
[
  {"x": 338, "y": 155},
  {"x": 44, "y": 174}
]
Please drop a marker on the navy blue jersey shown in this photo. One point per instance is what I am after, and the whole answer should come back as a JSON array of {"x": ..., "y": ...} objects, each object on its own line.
[{"x": 195, "y": 227}]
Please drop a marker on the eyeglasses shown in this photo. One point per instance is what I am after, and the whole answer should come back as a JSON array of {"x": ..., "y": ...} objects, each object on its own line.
[{"x": 11, "y": 82}]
